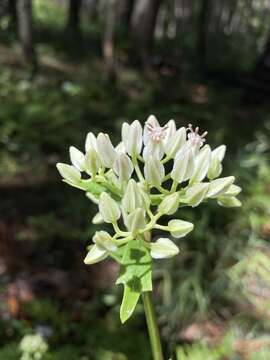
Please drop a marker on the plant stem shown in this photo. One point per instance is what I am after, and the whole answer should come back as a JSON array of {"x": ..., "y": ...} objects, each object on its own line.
[{"x": 152, "y": 326}]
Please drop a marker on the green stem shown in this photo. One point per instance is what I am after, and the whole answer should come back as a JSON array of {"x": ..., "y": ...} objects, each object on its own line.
[{"x": 152, "y": 326}]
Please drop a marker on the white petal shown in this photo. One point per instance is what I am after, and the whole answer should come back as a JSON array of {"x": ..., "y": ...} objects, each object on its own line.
[
  {"x": 163, "y": 248},
  {"x": 90, "y": 142},
  {"x": 233, "y": 190},
  {"x": 136, "y": 220},
  {"x": 69, "y": 172},
  {"x": 153, "y": 149},
  {"x": 104, "y": 241},
  {"x": 175, "y": 142},
  {"x": 92, "y": 161},
  {"x": 169, "y": 204},
  {"x": 120, "y": 148},
  {"x": 184, "y": 165},
  {"x": 151, "y": 120},
  {"x": 154, "y": 171},
  {"x": 229, "y": 201},
  {"x": 77, "y": 158},
  {"x": 132, "y": 198},
  {"x": 180, "y": 228},
  {"x": 108, "y": 208},
  {"x": 219, "y": 152},
  {"x": 202, "y": 162},
  {"x": 97, "y": 219},
  {"x": 106, "y": 150},
  {"x": 123, "y": 167},
  {"x": 196, "y": 194},
  {"x": 132, "y": 137},
  {"x": 171, "y": 130},
  {"x": 95, "y": 255},
  {"x": 219, "y": 186}
]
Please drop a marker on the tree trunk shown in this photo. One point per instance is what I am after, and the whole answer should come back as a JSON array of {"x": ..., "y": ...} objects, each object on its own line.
[
  {"x": 109, "y": 39},
  {"x": 143, "y": 24},
  {"x": 12, "y": 10},
  {"x": 262, "y": 70},
  {"x": 203, "y": 33},
  {"x": 126, "y": 9},
  {"x": 25, "y": 27},
  {"x": 73, "y": 22}
]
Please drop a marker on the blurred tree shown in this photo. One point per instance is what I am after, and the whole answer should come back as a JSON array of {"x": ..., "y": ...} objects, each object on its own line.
[
  {"x": 91, "y": 7},
  {"x": 109, "y": 37},
  {"x": 73, "y": 22},
  {"x": 263, "y": 64},
  {"x": 25, "y": 28},
  {"x": 12, "y": 10},
  {"x": 126, "y": 9},
  {"x": 143, "y": 22},
  {"x": 203, "y": 24}
]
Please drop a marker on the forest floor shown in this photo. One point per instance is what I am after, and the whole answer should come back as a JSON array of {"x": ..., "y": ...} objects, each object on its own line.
[{"x": 44, "y": 226}]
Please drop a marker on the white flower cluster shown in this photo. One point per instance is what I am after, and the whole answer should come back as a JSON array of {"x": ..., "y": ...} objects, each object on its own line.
[
  {"x": 33, "y": 347},
  {"x": 151, "y": 173}
]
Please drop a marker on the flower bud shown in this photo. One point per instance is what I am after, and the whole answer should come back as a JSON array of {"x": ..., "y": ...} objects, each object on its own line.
[
  {"x": 106, "y": 150},
  {"x": 196, "y": 194},
  {"x": 132, "y": 198},
  {"x": 95, "y": 255},
  {"x": 123, "y": 167},
  {"x": 90, "y": 142},
  {"x": 132, "y": 137},
  {"x": 69, "y": 172},
  {"x": 215, "y": 168},
  {"x": 229, "y": 201},
  {"x": 219, "y": 186},
  {"x": 219, "y": 152},
  {"x": 145, "y": 199},
  {"x": 169, "y": 204},
  {"x": 175, "y": 142},
  {"x": 202, "y": 162},
  {"x": 136, "y": 220},
  {"x": 170, "y": 131},
  {"x": 154, "y": 171},
  {"x": 163, "y": 248},
  {"x": 120, "y": 148},
  {"x": 104, "y": 241},
  {"x": 183, "y": 167},
  {"x": 77, "y": 158},
  {"x": 233, "y": 190},
  {"x": 179, "y": 228},
  {"x": 97, "y": 219},
  {"x": 92, "y": 161},
  {"x": 108, "y": 208}
]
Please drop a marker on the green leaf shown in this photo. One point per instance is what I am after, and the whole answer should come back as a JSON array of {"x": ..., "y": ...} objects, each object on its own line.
[
  {"x": 129, "y": 302},
  {"x": 136, "y": 276}
]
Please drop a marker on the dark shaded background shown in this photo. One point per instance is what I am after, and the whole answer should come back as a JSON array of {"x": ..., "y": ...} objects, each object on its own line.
[{"x": 69, "y": 67}]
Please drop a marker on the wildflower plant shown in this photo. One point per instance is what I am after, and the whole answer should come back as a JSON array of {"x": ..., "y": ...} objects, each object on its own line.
[
  {"x": 33, "y": 347},
  {"x": 151, "y": 173}
]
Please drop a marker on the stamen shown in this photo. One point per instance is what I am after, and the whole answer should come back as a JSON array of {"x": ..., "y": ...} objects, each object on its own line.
[
  {"x": 157, "y": 133},
  {"x": 194, "y": 136}
]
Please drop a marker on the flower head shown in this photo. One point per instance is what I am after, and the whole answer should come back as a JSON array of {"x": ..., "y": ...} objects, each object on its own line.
[{"x": 151, "y": 173}]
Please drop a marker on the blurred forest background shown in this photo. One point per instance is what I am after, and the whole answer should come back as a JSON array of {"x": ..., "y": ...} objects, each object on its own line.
[{"x": 72, "y": 66}]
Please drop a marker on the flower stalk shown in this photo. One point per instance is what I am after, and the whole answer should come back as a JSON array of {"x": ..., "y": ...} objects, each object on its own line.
[{"x": 152, "y": 326}]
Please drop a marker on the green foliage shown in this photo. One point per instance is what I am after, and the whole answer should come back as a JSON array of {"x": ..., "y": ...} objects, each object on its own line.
[
  {"x": 39, "y": 118},
  {"x": 136, "y": 276}
]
